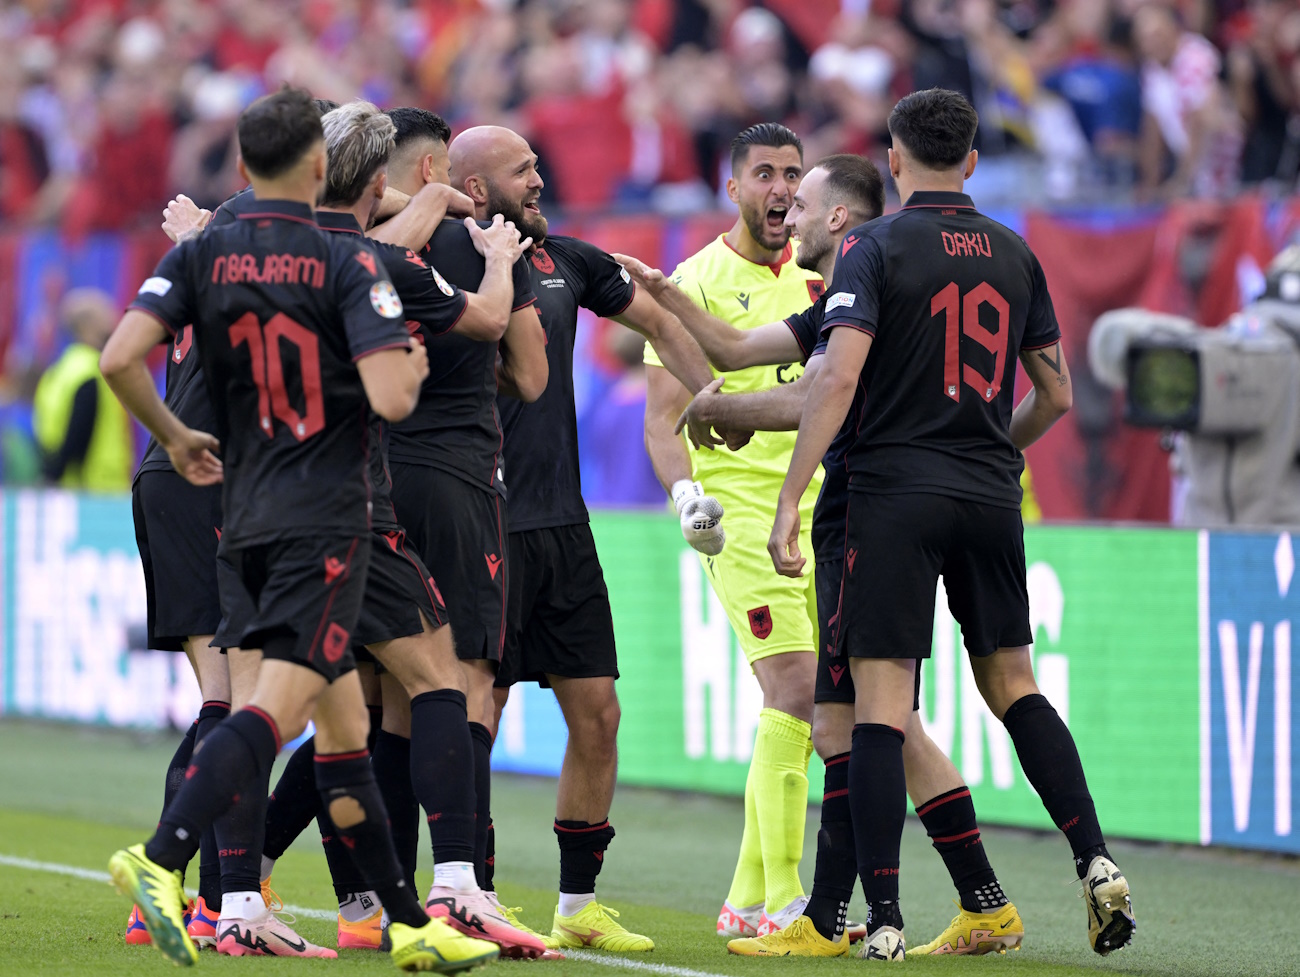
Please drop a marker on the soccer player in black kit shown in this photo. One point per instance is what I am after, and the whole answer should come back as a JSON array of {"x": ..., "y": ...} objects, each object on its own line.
[
  {"x": 561, "y": 631},
  {"x": 299, "y": 335},
  {"x": 927, "y": 313}
]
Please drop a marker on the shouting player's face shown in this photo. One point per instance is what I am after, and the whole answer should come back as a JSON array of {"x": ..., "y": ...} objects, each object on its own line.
[
  {"x": 763, "y": 187},
  {"x": 808, "y": 218},
  {"x": 513, "y": 190}
]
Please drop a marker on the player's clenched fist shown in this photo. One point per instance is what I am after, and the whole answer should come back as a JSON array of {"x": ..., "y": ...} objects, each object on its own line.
[{"x": 701, "y": 517}]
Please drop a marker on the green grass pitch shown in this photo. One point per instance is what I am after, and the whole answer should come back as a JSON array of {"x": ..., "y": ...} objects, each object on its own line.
[{"x": 70, "y": 796}]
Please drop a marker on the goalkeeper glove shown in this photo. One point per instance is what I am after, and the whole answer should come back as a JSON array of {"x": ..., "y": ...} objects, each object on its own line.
[{"x": 701, "y": 517}]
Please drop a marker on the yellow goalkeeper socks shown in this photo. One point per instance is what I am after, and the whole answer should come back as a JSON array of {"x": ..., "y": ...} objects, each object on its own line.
[
  {"x": 779, "y": 771},
  {"x": 747, "y": 883}
]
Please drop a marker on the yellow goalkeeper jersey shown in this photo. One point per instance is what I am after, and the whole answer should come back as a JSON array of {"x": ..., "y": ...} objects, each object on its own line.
[{"x": 739, "y": 291}]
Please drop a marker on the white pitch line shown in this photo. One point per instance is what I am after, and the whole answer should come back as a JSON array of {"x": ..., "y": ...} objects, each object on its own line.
[{"x": 586, "y": 956}]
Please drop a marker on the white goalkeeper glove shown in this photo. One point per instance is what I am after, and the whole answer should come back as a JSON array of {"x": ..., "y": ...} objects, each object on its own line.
[{"x": 701, "y": 517}]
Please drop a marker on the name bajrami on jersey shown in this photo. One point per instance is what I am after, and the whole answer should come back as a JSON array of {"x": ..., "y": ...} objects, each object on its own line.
[
  {"x": 281, "y": 312},
  {"x": 951, "y": 298}
]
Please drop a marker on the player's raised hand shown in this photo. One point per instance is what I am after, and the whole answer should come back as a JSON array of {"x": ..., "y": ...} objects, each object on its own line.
[
  {"x": 183, "y": 218},
  {"x": 651, "y": 279},
  {"x": 453, "y": 202},
  {"x": 701, "y": 517},
  {"x": 419, "y": 358},
  {"x": 500, "y": 239},
  {"x": 783, "y": 544},
  {"x": 696, "y": 420},
  {"x": 194, "y": 456}
]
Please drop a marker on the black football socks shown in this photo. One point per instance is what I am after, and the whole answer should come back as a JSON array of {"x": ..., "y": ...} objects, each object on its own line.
[
  {"x": 1051, "y": 763},
  {"x": 180, "y": 762},
  {"x": 482, "y": 799},
  {"x": 352, "y": 801},
  {"x": 294, "y": 802},
  {"x": 212, "y": 713},
  {"x": 836, "y": 871},
  {"x": 442, "y": 773},
  {"x": 392, "y": 768},
  {"x": 878, "y": 800},
  {"x": 237, "y": 753},
  {"x": 949, "y": 820},
  {"x": 490, "y": 859},
  {"x": 582, "y": 853}
]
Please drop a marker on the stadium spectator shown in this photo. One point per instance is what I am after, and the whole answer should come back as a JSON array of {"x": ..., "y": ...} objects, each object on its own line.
[
  {"x": 1260, "y": 72},
  {"x": 83, "y": 432}
]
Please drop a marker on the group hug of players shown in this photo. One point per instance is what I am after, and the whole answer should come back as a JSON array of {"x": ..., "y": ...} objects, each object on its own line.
[{"x": 365, "y": 376}]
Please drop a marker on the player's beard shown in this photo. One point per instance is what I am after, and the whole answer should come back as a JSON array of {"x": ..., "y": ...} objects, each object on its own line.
[
  {"x": 812, "y": 248},
  {"x": 756, "y": 222},
  {"x": 529, "y": 225}
]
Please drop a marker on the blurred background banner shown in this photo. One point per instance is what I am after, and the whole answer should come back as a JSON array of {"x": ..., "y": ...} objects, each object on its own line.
[{"x": 1167, "y": 651}]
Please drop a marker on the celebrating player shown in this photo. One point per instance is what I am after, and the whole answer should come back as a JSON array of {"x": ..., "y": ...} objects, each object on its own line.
[
  {"x": 252, "y": 291},
  {"x": 942, "y": 298},
  {"x": 747, "y": 275},
  {"x": 838, "y": 194},
  {"x": 561, "y": 630}
]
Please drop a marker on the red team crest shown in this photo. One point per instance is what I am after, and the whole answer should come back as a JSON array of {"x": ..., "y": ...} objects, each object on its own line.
[
  {"x": 336, "y": 642},
  {"x": 542, "y": 261},
  {"x": 816, "y": 289},
  {"x": 760, "y": 622}
]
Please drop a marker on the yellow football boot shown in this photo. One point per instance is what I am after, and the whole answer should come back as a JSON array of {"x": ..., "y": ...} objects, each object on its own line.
[
  {"x": 595, "y": 926},
  {"x": 436, "y": 946},
  {"x": 159, "y": 900},
  {"x": 977, "y": 933},
  {"x": 799, "y": 939}
]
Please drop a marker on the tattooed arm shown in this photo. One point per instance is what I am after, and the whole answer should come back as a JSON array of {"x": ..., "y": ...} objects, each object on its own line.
[{"x": 1049, "y": 399}]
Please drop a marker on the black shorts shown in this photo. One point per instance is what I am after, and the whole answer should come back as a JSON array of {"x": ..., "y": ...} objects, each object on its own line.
[
  {"x": 398, "y": 590},
  {"x": 177, "y": 528},
  {"x": 560, "y": 620},
  {"x": 899, "y": 546},
  {"x": 834, "y": 677},
  {"x": 459, "y": 531},
  {"x": 296, "y": 599}
]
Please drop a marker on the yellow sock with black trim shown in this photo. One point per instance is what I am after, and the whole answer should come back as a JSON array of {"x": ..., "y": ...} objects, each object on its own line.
[
  {"x": 747, "y": 882},
  {"x": 780, "y": 771}
]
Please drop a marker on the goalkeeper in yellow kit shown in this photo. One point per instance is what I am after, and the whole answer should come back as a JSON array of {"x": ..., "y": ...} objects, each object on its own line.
[{"x": 748, "y": 276}]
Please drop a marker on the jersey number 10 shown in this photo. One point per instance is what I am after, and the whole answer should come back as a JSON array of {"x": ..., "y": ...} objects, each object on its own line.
[
  {"x": 268, "y": 372},
  {"x": 962, "y": 315}
]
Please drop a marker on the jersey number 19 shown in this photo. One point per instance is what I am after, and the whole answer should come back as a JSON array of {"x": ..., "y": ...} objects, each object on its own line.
[{"x": 962, "y": 315}]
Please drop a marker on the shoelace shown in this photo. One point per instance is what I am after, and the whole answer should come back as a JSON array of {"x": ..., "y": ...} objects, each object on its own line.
[{"x": 276, "y": 906}]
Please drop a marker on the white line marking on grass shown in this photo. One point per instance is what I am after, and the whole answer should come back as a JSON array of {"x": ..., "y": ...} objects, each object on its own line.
[{"x": 587, "y": 956}]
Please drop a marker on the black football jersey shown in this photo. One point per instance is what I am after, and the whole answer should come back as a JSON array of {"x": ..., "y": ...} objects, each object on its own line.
[
  {"x": 456, "y": 427},
  {"x": 187, "y": 395},
  {"x": 832, "y": 510},
  {"x": 951, "y": 298},
  {"x": 281, "y": 312},
  {"x": 541, "y": 438},
  {"x": 429, "y": 303}
]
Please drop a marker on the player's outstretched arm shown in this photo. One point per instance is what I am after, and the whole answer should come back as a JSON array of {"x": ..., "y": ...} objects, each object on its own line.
[
  {"x": 392, "y": 379},
  {"x": 487, "y": 316},
  {"x": 700, "y": 514},
  {"x": 681, "y": 355},
  {"x": 193, "y": 453},
  {"x": 828, "y": 403},
  {"x": 1048, "y": 401},
  {"x": 778, "y": 408},
  {"x": 409, "y": 222},
  {"x": 522, "y": 368},
  {"x": 727, "y": 347}
]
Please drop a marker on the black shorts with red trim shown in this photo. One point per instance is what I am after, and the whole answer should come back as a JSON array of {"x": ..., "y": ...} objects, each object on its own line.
[
  {"x": 458, "y": 530},
  {"x": 296, "y": 599},
  {"x": 399, "y": 589},
  {"x": 560, "y": 619},
  {"x": 899, "y": 546},
  {"x": 177, "y": 528},
  {"x": 834, "y": 676}
]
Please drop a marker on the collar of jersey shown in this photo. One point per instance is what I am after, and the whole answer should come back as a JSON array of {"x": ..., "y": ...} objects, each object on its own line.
[
  {"x": 337, "y": 221},
  {"x": 290, "y": 210},
  {"x": 938, "y": 198},
  {"x": 775, "y": 269}
]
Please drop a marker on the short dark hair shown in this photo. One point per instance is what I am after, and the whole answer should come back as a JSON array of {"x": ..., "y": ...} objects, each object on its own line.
[
  {"x": 764, "y": 134},
  {"x": 936, "y": 127},
  {"x": 277, "y": 130},
  {"x": 325, "y": 106},
  {"x": 856, "y": 182},
  {"x": 413, "y": 123}
]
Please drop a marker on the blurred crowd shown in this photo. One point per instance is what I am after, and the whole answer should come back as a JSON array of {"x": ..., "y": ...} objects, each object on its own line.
[{"x": 107, "y": 107}]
